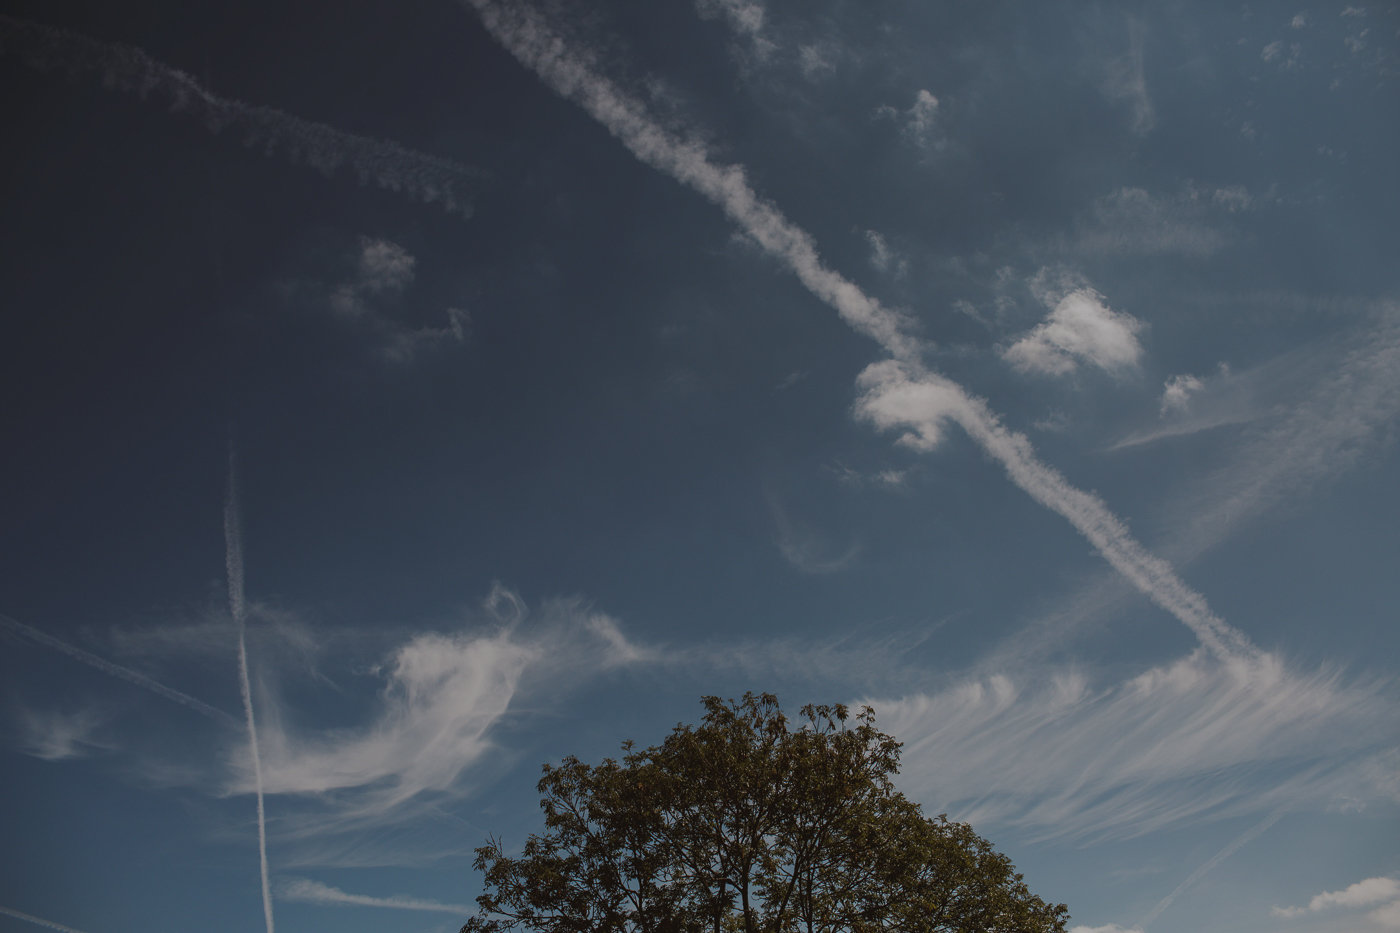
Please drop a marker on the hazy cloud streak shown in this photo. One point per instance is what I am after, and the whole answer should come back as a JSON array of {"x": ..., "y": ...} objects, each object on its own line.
[
  {"x": 314, "y": 892},
  {"x": 423, "y": 177},
  {"x": 37, "y": 921}
]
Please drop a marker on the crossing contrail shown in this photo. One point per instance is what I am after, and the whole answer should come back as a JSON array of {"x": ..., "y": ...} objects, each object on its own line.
[
  {"x": 924, "y": 399},
  {"x": 37, "y": 921},
  {"x": 116, "y": 670},
  {"x": 233, "y": 564},
  {"x": 423, "y": 177}
]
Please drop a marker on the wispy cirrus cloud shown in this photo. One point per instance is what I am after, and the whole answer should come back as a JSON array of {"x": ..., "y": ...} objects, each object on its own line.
[
  {"x": 1125, "y": 80},
  {"x": 55, "y": 735},
  {"x": 386, "y": 164},
  {"x": 1194, "y": 740},
  {"x": 314, "y": 892}
]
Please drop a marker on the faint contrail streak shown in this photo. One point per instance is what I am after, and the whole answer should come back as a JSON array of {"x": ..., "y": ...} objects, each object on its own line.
[
  {"x": 1249, "y": 835},
  {"x": 233, "y": 564},
  {"x": 427, "y": 178},
  {"x": 571, "y": 73},
  {"x": 116, "y": 670},
  {"x": 38, "y": 921}
]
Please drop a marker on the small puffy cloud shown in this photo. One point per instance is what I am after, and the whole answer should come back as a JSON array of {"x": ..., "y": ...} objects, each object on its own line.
[
  {"x": 1081, "y": 329},
  {"x": 1177, "y": 392},
  {"x": 1272, "y": 51},
  {"x": 1365, "y": 893},
  {"x": 1299, "y": 21},
  {"x": 894, "y": 397},
  {"x": 385, "y": 266}
]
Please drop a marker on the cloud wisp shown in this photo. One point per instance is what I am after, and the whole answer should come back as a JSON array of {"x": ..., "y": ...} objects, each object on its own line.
[
  {"x": 900, "y": 391},
  {"x": 237, "y": 604},
  {"x": 1192, "y": 742},
  {"x": 116, "y": 670},
  {"x": 384, "y": 163},
  {"x": 314, "y": 892},
  {"x": 37, "y": 921},
  {"x": 1206, "y": 867}
]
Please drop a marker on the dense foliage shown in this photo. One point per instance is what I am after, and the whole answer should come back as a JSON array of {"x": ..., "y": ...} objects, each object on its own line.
[{"x": 745, "y": 824}]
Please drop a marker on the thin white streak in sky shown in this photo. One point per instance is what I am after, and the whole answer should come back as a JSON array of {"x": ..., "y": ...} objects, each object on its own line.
[
  {"x": 525, "y": 34},
  {"x": 314, "y": 892},
  {"x": 116, "y": 670},
  {"x": 37, "y": 921},
  {"x": 424, "y": 177},
  {"x": 1244, "y": 838},
  {"x": 233, "y": 563}
]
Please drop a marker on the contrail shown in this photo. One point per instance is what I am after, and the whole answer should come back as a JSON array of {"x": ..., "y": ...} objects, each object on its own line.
[
  {"x": 527, "y": 36},
  {"x": 37, "y": 921},
  {"x": 116, "y": 670},
  {"x": 423, "y": 177},
  {"x": 233, "y": 564},
  {"x": 1249, "y": 835}
]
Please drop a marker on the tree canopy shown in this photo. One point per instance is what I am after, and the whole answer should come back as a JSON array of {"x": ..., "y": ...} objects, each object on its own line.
[{"x": 747, "y": 824}]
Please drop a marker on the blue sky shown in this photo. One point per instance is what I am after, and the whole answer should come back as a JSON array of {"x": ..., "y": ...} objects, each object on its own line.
[{"x": 445, "y": 388}]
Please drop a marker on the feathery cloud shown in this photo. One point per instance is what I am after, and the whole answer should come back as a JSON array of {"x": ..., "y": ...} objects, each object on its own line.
[
  {"x": 386, "y": 164},
  {"x": 1193, "y": 740},
  {"x": 314, "y": 892}
]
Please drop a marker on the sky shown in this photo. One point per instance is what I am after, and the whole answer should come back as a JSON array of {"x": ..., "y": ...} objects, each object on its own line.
[{"x": 400, "y": 396}]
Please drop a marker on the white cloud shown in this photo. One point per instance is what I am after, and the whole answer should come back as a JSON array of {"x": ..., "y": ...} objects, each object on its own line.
[
  {"x": 745, "y": 17},
  {"x": 314, "y": 892},
  {"x": 442, "y": 695},
  {"x": 1177, "y": 392},
  {"x": 1080, "y": 329},
  {"x": 1387, "y": 916},
  {"x": 882, "y": 257},
  {"x": 1362, "y": 894},
  {"x": 1194, "y": 740},
  {"x": 54, "y": 735},
  {"x": 1299, "y": 21},
  {"x": 1272, "y": 51},
  {"x": 807, "y": 550}
]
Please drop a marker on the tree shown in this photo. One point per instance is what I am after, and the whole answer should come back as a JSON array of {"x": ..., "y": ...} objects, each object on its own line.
[{"x": 745, "y": 825}]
